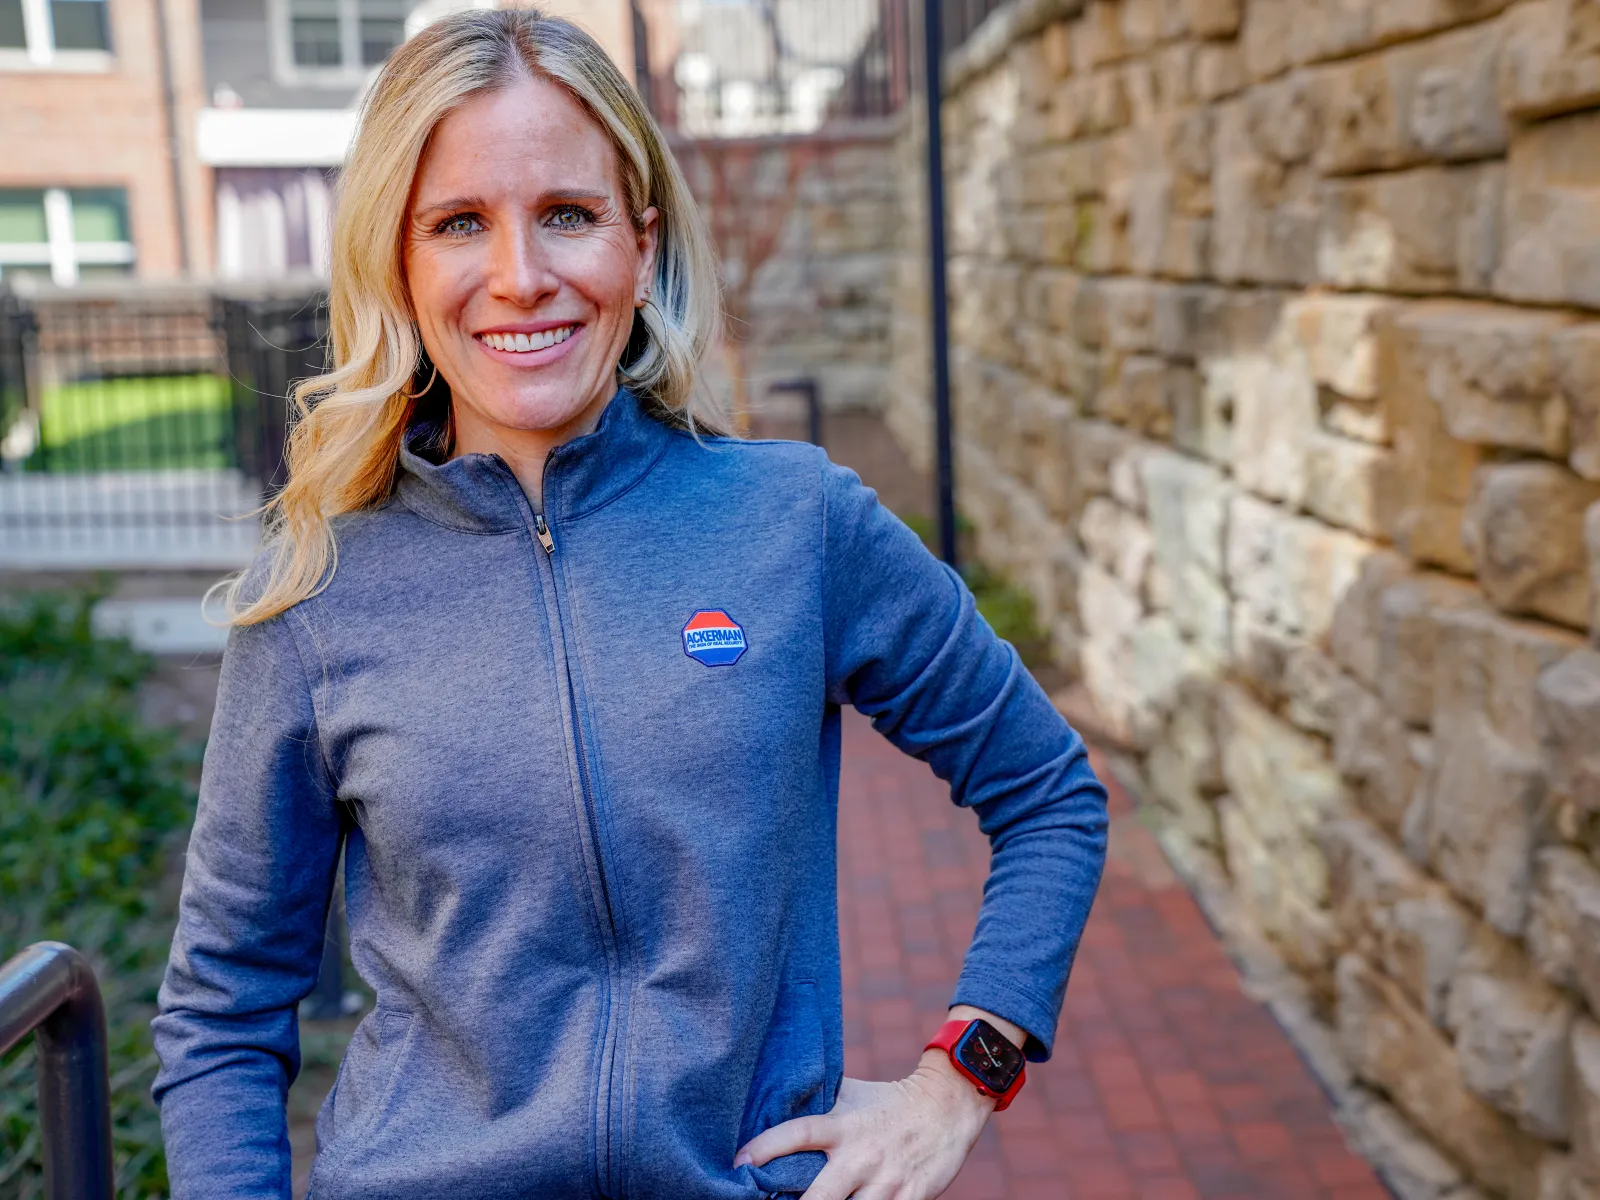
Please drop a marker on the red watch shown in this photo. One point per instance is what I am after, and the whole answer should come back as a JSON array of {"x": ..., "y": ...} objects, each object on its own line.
[{"x": 985, "y": 1056}]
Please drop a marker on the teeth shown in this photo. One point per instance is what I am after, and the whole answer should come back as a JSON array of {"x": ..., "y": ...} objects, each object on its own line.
[{"x": 526, "y": 343}]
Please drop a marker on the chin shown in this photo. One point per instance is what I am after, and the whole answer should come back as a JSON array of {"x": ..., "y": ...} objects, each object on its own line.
[{"x": 543, "y": 407}]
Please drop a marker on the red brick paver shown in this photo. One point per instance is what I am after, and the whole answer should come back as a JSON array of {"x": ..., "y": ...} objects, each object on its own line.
[{"x": 1168, "y": 1083}]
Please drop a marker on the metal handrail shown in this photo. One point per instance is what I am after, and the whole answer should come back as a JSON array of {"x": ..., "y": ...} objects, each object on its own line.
[
  {"x": 807, "y": 387},
  {"x": 50, "y": 990}
]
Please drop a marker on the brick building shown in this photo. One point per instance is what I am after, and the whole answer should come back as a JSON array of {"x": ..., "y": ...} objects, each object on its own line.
[{"x": 97, "y": 168}]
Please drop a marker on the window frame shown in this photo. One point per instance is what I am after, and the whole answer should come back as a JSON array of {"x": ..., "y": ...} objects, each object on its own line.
[
  {"x": 40, "y": 53},
  {"x": 349, "y": 74},
  {"x": 61, "y": 251}
]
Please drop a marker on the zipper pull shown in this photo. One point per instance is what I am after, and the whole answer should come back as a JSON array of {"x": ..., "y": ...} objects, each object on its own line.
[{"x": 543, "y": 530}]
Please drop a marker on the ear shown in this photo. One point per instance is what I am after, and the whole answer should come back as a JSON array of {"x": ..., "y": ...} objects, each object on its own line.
[{"x": 649, "y": 244}]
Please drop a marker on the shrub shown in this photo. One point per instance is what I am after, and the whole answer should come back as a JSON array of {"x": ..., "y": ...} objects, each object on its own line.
[{"x": 91, "y": 800}]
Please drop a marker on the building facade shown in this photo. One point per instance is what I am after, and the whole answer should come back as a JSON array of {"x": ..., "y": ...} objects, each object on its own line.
[{"x": 98, "y": 174}]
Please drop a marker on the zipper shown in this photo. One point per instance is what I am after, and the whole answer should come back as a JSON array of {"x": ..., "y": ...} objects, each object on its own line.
[{"x": 611, "y": 1019}]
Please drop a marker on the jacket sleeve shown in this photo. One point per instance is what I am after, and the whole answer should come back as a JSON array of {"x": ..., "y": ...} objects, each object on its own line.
[
  {"x": 906, "y": 645},
  {"x": 257, "y": 883}
]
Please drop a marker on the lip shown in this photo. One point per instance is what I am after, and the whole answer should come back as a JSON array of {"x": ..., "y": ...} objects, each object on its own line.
[{"x": 531, "y": 358}]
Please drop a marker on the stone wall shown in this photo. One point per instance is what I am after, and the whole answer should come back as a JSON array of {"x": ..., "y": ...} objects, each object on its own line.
[
  {"x": 807, "y": 231},
  {"x": 1277, "y": 363}
]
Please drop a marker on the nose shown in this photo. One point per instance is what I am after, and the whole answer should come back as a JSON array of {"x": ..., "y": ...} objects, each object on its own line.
[{"x": 519, "y": 272}]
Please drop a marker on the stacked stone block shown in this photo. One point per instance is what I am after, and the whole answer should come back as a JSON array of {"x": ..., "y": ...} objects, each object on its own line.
[
  {"x": 1277, "y": 370},
  {"x": 819, "y": 306},
  {"x": 807, "y": 230}
]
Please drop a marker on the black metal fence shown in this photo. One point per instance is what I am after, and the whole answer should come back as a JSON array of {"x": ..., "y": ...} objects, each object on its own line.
[
  {"x": 49, "y": 990},
  {"x": 754, "y": 68},
  {"x": 144, "y": 427},
  {"x": 270, "y": 345},
  {"x": 743, "y": 68}
]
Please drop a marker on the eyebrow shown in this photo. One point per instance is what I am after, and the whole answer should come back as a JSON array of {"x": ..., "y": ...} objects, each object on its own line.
[
  {"x": 454, "y": 204},
  {"x": 597, "y": 193},
  {"x": 555, "y": 196}
]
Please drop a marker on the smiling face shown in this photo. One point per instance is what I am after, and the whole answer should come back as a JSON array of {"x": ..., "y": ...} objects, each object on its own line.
[{"x": 525, "y": 268}]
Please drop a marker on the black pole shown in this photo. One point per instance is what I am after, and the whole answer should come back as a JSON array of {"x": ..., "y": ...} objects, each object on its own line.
[
  {"x": 939, "y": 298},
  {"x": 642, "y": 81},
  {"x": 808, "y": 388},
  {"x": 50, "y": 988}
]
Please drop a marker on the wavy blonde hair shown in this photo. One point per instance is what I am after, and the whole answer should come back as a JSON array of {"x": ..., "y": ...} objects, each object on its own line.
[{"x": 349, "y": 423}]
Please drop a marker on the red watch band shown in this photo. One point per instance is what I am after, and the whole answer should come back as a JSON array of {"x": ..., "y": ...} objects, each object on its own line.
[{"x": 949, "y": 1034}]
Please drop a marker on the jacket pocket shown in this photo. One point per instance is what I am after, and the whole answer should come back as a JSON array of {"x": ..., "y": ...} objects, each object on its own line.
[
  {"x": 367, "y": 1074},
  {"x": 792, "y": 1080}
]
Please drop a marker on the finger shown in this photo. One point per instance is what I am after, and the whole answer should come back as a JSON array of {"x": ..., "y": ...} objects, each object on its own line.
[
  {"x": 836, "y": 1181},
  {"x": 802, "y": 1133}
]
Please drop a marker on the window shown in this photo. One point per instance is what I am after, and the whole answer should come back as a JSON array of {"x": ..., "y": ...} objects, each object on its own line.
[
  {"x": 338, "y": 38},
  {"x": 22, "y": 218},
  {"x": 13, "y": 30},
  {"x": 383, "y": 27},
  {"x": 79, "y": 24},
  {"x": 315, "y": 27},
  {"x": 64, "y": 34},
  {"x": 64, "y": 234}
]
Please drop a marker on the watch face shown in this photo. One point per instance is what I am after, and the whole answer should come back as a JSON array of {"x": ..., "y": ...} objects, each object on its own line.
[{"x": 989, "y": 1055}]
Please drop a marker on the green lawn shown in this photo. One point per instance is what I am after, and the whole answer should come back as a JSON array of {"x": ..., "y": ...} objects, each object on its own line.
[{"x": 136, "y": 424}]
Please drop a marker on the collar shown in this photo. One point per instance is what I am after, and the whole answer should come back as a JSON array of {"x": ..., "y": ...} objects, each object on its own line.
[{"x": 477, "y": 493}]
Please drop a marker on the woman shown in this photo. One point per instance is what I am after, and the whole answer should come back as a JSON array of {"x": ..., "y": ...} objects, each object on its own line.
[{"x": 568, "y": 699}]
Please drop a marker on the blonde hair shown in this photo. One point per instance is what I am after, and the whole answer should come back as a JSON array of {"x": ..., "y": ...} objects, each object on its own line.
[{"x": 349, "y": 425}]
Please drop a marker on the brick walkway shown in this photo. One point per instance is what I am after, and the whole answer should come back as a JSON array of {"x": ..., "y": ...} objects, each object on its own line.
[{"x": 1167, "y": 1081}]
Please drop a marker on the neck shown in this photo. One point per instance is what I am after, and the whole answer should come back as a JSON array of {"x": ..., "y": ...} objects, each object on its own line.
[{"x": 524, "y": 450}]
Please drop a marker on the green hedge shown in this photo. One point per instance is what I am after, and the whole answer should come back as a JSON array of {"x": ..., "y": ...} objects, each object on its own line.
[{"x": 91, "y": 801}]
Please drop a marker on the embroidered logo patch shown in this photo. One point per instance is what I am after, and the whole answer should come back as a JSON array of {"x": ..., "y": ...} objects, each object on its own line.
[{"x": 714, "y": 638}]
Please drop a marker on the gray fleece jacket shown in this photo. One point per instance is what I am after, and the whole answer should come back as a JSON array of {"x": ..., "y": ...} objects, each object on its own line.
[{"x": 583, "y": 766}]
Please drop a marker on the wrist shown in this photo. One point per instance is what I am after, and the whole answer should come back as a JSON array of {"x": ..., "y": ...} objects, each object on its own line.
[
  {"x": 1014, "y": 1034},
  {"x": 979, "y": 1055},
  {"x": 936, "y": 1069}
]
